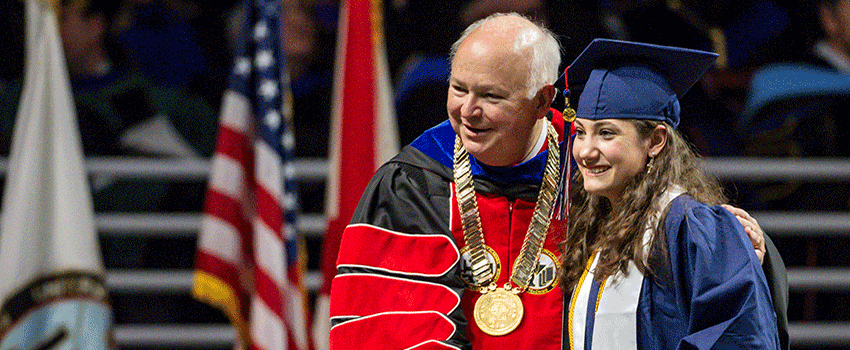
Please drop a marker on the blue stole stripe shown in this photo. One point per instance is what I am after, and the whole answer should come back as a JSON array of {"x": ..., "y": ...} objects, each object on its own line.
[{"x": 591, "y": 314}]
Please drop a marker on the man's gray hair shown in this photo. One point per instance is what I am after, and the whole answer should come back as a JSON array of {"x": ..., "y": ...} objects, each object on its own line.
[{"x": 545, "y": 51}]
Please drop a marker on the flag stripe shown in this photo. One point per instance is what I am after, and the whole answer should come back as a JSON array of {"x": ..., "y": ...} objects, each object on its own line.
[
  {"x": 268, "y": 210},
  {"x": 231, "y": 149},
  {"x": 236, "y": 112},
  {"x": 267, "y": 290},
  {"x": 267, "y": 330},
  {"x": 223, "y": 211},
  {"x": 269, "y": 172},
  {"x": 270, "y": 254}
]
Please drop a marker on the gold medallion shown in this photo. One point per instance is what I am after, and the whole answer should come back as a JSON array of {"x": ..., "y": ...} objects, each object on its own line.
[{"x": 498, "y": 312}]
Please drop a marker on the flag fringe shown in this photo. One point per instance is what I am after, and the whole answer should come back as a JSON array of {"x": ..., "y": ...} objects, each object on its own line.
[{"x": 212, "y": 290}]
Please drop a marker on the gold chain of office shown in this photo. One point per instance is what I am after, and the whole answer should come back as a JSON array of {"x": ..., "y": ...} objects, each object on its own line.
[{"x": 499, "y": 310}]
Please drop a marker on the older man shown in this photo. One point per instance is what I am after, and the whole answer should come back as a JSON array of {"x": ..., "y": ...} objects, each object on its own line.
[
  {"x": 453, "y": 244},
  {"x": 404, "y": 260}
]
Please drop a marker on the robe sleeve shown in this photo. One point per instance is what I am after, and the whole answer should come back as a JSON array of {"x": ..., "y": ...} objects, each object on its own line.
[
  {"x": 397, "y": 283},
  {"x": 723, "y": 293}
]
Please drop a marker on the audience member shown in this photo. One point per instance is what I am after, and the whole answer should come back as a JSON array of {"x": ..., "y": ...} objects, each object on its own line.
[
  {"x": 179, "y": 43},
  {"x": 121, "y": 112},
  {"x": 832, "y": 50},
  {"x": 798, "y": 110}
]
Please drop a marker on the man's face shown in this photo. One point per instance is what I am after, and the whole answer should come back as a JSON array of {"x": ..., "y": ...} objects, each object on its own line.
[
  {"x": 488, "y": 104},
  {"x": 837, "y": 24},
  {"x": 81, "y": 36}
]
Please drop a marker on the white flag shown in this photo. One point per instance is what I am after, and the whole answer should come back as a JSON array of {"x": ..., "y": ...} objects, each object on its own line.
[{"x": 51, "y": 281}]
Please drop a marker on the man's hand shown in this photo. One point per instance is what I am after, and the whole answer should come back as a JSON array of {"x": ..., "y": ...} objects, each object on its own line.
[{"x": 751, "y": 226}]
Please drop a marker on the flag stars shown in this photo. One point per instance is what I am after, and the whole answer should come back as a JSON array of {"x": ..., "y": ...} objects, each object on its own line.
[
  {"x": 289, "y": 231},
  {"x": 268, "y": 89},
  {"x": 272, "y": 119},
  {"x": 288, "y": 171},
  {"x": 242, "y": 66},
  {"x": 289, "y": 201},
  {"x": 288, "y": 140},
  {"x": 261, "y": 31},
  {"x": 264, "y": 59}
]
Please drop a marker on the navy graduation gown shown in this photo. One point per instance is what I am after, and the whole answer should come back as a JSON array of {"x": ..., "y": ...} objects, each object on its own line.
[{"x": 716, "y": 295}]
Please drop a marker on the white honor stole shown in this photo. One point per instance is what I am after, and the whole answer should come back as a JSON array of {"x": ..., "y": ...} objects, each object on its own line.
[{"x": 604, "y": 315}]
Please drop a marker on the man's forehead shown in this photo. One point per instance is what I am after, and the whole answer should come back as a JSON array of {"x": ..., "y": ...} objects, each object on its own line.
[
  {"x": 508, "y": 32},
  {"x": 481, "y": 46}
]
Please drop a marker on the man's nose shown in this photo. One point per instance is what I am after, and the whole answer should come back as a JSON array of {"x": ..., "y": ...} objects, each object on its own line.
[{"x": 470, "y": 106}]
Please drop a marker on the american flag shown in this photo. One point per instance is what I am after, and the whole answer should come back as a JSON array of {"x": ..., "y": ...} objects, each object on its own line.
[{"x": 249, "y": 260}]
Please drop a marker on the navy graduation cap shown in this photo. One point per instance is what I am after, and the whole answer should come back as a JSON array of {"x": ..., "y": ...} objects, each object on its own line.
[{"x": 628, "y": 80}]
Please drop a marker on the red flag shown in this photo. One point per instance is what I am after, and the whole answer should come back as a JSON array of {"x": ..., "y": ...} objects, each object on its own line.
[
  {"x": 363, "y": 136},
  {"x": 249, "y": 261}
]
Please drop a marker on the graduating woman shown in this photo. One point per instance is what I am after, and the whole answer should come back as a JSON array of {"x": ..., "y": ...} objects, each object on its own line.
[{"x": 652, "y": 259}]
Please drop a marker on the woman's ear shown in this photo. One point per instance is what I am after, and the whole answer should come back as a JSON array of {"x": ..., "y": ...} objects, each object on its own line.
[{"x": 657, "y": 140}]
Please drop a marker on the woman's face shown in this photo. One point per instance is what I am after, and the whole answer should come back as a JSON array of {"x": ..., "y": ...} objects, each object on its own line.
[{"x": 609, "y": 152}]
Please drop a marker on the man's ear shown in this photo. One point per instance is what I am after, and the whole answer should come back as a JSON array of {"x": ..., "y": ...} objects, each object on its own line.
[
  {"x": 658, "y": 139},
  {"x": 544, "y": 99}
]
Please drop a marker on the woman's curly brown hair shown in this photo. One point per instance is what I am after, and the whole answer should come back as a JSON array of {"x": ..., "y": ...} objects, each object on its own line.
[{"x": 619, "y": 236}]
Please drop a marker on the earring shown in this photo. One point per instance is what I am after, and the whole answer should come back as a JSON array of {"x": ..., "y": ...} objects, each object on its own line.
[{"x": 650, "y": 164}]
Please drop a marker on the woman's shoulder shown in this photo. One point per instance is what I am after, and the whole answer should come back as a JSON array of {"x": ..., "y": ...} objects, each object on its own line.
[
  {"x": 684, "y": 206},
  {"x": 692, "y": 220}
]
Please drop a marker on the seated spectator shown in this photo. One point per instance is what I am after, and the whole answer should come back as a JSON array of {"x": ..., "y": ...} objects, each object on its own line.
[
  {"x": 797, "y": 111},
  {"x": 179, "y": 43},
  {"x": 122, "y": 113},
  {"x": 832, "y": 51}
]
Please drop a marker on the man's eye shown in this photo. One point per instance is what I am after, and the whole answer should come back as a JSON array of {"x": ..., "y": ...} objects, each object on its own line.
[{"x": 458, "y": 89}]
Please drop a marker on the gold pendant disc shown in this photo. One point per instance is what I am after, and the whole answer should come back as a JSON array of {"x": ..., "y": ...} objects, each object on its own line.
[{"x": 498, "y": 312}]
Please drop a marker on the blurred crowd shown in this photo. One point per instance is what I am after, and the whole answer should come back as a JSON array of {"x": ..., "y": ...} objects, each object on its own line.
[{"x": 148, "y": 76}]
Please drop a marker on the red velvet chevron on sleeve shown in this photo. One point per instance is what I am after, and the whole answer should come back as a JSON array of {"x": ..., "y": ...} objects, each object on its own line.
[
  {"x": 397, "y": 331},
  {"x": 374, "y": 247},
  {"x": 390, "y": 291}
]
